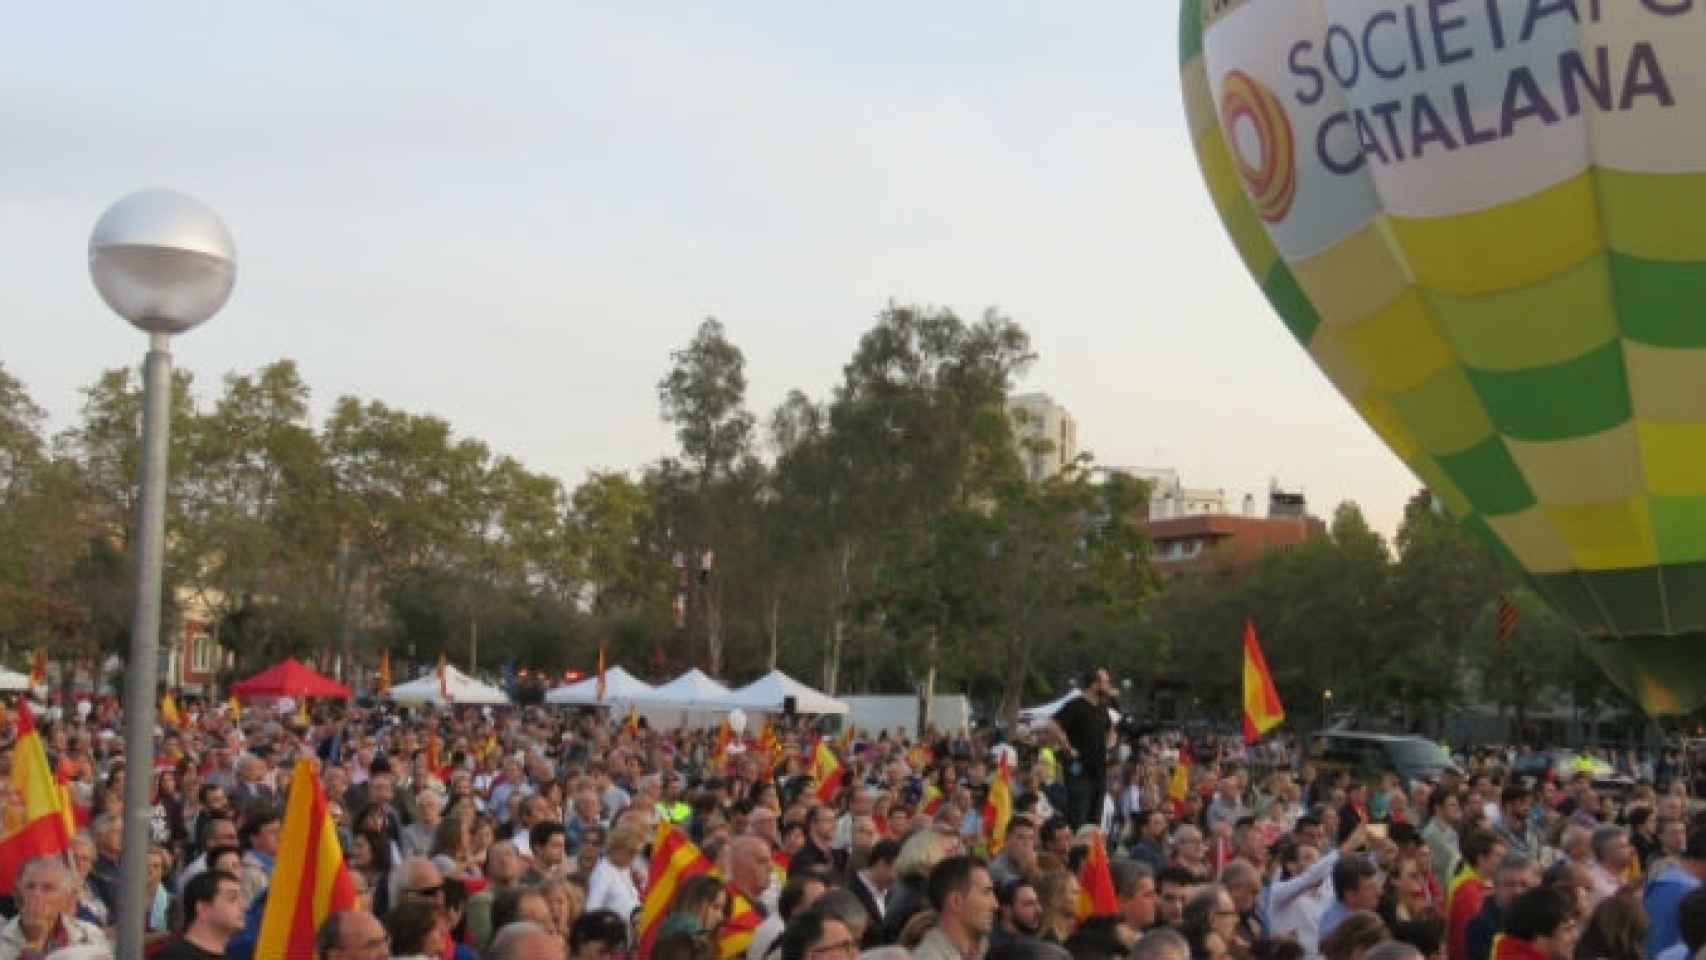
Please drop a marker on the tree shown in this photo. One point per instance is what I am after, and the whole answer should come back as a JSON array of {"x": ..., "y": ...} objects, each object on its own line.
[{"x": 704, "y": 395}]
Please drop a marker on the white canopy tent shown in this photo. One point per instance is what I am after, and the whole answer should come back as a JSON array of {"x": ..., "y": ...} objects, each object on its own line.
[
  {"x": 11, "y": 681},
  {"x": 692, "y": 690},
  {"x": 770, "y": 692},
  {"x": 463, "y": 690},
  {"x": 620, "y": 687},
  {"x": 690, "y": 700}
]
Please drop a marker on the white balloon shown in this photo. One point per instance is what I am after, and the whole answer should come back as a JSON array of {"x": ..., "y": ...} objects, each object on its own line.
[{"x": 737, "y": 721}]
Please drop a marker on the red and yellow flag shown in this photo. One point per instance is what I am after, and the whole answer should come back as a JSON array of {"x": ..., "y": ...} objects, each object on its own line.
[
  {"x": 631, "y": 722},
  {"x": 933, "y": 798},
  {"x": 725, "y": 739},
  {"x": 169, "y": 712},
  {"x": 37, "y": 818},
  {"x": 1096, "y": 896},
  {"x": 1262, "y": 709},
  {"x": 38, "y": 667},
  {"x": 384, "y": 683},
  {"x": 444, "y": 679},
  {"x": 998, "y": 809},
  {"x": 236, "y": 709},
  {"x": 674, "y": 859},
  {"x": 1179, "y": 785},
  {"x": 601, "y": 686},
  {"x": 827, "y": 771},
  {"x": 309, "y": 880}
]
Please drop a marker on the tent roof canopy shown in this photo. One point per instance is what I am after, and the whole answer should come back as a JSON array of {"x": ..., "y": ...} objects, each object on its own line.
[
  {"x": 12, "y": 680},
  {"x": 289, "y": 679},
  {"x": 692, "y": 690},
  {"x": 771, "y": 690},
  {"x": 463, "y": 689},
  {"x": 620, "y": 686}
]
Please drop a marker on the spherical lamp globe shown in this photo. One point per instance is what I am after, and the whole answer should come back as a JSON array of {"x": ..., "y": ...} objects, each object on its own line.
[{"x": 162, "y": 261}]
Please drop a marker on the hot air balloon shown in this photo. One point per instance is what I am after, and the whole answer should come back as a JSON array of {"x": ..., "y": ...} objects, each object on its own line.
[{"x": 1486, "y": 222}]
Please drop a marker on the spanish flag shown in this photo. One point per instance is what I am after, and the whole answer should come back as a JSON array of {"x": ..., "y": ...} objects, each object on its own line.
[
  {"x": 998, "y": 809},
  {"x": 1262, "y": 710},
  {"x": 35, "y": 821},
  {"x": 309, "y": 880},
  {"x": 384, "y": 683},
  {"x": 1179, "y": 785},
  {"x": 169, "y": 710},
  {"x": 827, "y": 771},
  {"x": 1096, "y": 895},
  {"x": 631, "y": 723},
  {"x": 674, "y": 859},
  {"x": 933, "y": 798}
]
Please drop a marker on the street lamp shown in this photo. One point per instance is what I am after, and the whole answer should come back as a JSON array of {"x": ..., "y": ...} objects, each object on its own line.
[
  {"x": 166, "y": 263},
  {"x": 1326, "y": 707}
]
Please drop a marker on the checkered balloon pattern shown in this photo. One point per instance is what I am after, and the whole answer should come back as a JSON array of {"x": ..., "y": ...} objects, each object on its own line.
[{"x": 1486, "y": 222}]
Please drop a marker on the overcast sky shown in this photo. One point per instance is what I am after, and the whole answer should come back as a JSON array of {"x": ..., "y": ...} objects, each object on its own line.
[{"x": 509, "y": 217}]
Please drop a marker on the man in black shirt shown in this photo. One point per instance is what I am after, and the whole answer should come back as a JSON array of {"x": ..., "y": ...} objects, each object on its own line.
[
  {"x": 213, "y": 914},
  {"x": 1080, "y": 728}
]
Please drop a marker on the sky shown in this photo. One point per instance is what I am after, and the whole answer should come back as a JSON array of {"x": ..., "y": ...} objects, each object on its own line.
[{"x": 507, "y": 215}]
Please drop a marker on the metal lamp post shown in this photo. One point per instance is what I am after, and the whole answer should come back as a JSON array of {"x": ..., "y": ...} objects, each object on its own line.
[{"x": 164, "y": 262}]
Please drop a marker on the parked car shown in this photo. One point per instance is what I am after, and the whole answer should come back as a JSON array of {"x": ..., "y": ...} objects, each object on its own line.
[{"x": 1368, "y": 755}]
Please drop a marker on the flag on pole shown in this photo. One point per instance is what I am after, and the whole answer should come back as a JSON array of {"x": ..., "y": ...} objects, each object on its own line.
[
  {"x": 236, "y": 709},
  {"x": 169, "y": 710},
  {"x": 384, "y": 672},
  {"x": 725, "y": 738},
  {"x": 1262, "y": 709},
  {"x": 827, "y": 771},
  {"x": 998, "y": 809},
  {"x": 1508, "y": 617},
  {"x": 602, "y": 686},
  {"x": 631, "y": 723},
  {"x": 1096, "y": 895},
  {"x": 38, "y": 667},
  {"x": 1179, "y": 786},
  {"x": 674, "y": 860},
  {"x": 36, "y": 820},
  {"x": 444, "y": 680},
  {"x": 933, "y": 798},
  {"x": 309, "y": 879}
]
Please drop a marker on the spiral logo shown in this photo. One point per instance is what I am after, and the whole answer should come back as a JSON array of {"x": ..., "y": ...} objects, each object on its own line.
[{"x": 1258, "y": 133}]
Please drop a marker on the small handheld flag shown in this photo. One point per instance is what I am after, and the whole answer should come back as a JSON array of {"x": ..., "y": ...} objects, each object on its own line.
[
  {"x": 1262, "y": 709},
  {"x": 309, "y": 879}
]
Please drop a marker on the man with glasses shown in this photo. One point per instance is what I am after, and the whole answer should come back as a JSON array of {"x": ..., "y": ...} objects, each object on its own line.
[
  {"x": 352, "y": 935},
  {"x": 418, "y": 879}
]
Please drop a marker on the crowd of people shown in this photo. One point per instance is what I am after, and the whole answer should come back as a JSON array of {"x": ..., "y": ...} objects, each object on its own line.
[{"x": 524, "y": 834}]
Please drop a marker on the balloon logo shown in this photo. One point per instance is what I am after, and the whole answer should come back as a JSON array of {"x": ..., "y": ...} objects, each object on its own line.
[
  {"x": 1486, "y": 224},
  {"x": 1271, "y": 178}
]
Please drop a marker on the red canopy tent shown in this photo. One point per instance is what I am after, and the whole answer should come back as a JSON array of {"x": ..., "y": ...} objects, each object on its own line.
[{"x": 289, "y": 679}]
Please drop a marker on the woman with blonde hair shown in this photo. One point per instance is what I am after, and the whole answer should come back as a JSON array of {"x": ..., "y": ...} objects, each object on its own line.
[
  {"x": 918, "y": 856},
  {"x": 1057, "y": 894},
  {"x": 612, "y": 885},
  {"x": 565, "y": 901}
]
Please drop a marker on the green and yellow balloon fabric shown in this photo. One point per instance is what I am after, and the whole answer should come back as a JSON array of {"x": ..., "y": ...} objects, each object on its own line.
[{"x": 1486, "y": 221}]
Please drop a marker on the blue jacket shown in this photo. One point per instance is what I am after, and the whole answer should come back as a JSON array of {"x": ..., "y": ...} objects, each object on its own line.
[{"x": 1664, "y": 892}]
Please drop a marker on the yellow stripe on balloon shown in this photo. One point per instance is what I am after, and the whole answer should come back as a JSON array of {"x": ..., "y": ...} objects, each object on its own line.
[{"x": 1507, "y": 246}]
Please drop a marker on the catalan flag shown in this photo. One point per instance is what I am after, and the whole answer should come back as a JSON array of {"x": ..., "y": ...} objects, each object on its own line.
[
  {"x": 674, "y": 859},
  {"x": 169, "y": 710},
  {"x": 36, "y": 818},
  {"x": 827, "y": 771},
  {"x": 1096, "y": 896},
  {"x": 1262, "y": 709},
  {"x": 998, "y": 809},
  {"x": 309, "y": 879}
]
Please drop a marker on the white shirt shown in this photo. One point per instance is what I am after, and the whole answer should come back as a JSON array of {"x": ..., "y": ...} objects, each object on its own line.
[
  {"x": 764, "y": 937},
  {"x": 1295, "y": 906},
  {"x": 612, "y": 888}
]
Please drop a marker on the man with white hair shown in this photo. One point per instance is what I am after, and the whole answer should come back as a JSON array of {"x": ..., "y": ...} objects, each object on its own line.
[
  {"x": 523, "y": 940},
  {"x": 417, "y": 837},
  {"x": 46, "y": 921}
]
